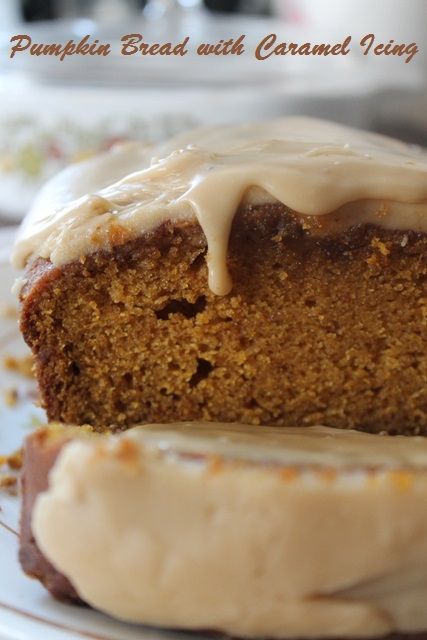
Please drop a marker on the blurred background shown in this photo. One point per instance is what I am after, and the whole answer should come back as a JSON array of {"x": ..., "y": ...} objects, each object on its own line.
[{"x": 53, "y": 113}]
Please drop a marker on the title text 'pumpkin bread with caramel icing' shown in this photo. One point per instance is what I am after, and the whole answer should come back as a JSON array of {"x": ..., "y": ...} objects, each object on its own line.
[{"x": 272, "y": 273}]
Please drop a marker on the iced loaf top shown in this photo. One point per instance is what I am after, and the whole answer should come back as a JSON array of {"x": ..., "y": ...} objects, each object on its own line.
[{"x": 313, "y": 167}]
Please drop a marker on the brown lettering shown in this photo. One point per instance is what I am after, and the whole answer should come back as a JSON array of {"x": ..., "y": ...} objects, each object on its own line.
[
  {"x": 58, "y": 50},
  {"x": 83, "y": 46},
  {"x": 130, "y": 42},
  {"x": 265, "y": 45},
  {"x": 181, "y": 48},
  {"x": 342, "y": 49},
  {"x": 223, "y": 47},
  {"x": 269, "y": 47},
  {"x": 367, "y": 43},
  {"x": 306, "y": 50},
  {"x": 411, "y": 50},
  {"x": 133, "y": 43},
  {"x": 389, "y": 49},
  {"x": 22, "y": 43}
]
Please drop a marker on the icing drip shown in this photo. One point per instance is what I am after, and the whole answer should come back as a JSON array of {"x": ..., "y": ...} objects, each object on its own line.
[{"x": 313, "y": 167}]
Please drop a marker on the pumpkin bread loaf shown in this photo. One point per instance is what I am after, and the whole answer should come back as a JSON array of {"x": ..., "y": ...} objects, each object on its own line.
[{"x": 269, "y": 274}]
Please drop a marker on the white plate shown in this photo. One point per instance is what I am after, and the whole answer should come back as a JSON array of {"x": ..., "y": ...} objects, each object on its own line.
[{"x": 27, "y": 612}]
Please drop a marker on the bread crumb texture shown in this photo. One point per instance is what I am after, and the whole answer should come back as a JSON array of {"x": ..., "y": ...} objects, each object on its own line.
[{"x": 317, "y": 329}]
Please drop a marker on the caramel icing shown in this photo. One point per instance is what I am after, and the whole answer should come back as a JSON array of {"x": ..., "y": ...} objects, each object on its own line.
[
  {"x": 252, "y": 531},
  {"x": 311, "y": 166}
]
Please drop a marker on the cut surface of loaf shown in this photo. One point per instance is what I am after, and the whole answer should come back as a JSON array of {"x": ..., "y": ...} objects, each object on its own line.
[
  {"x": 315, "y": 329},
  {"x": 272, "y": 273},
  {"x": 40, "y": 451},
  {"x": 309, "y": 532}
]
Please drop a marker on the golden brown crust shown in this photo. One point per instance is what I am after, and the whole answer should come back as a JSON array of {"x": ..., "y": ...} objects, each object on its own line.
[
  {"x": 40, "y": 454},
  {"x": 318, "y": 328}
]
